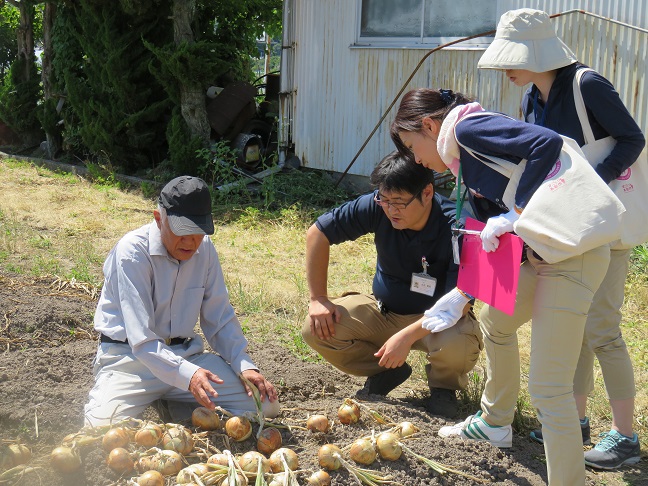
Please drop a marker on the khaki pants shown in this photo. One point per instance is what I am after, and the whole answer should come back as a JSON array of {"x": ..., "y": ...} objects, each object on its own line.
[
  {"x": 603, "y": 336},
  {"x": 557, "y": 298},
  {"x": 362, "y": 330}
]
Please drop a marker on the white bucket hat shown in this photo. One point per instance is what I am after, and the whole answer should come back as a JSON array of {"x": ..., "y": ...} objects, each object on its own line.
[{"x": 525, "y": 39}]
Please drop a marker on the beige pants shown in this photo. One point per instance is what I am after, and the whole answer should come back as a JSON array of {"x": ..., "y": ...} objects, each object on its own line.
[
  {"x": 362, "y": 330},
  {"x": 557, "y": 297},
  {"x": 603, "y": 336}
]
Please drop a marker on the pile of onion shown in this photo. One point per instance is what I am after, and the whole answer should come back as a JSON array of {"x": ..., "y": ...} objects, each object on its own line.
[
  {"x": 269, "y": 440},
  {"x": 205, "y": 419},
  {"x": 238, "y": 428},
  {"x": 317, "y": 423}
]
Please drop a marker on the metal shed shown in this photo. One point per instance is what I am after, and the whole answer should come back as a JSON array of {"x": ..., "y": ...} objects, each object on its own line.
[{"x": 338, "y": 76}]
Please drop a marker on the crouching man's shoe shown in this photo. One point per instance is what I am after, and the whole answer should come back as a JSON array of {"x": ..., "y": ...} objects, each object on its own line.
[
  {"x": 385, "y": 381},
  {"x": 475, "y": 428},
  {"x": 442, "y": 402}
]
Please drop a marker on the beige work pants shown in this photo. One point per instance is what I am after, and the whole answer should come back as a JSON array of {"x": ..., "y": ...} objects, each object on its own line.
[
  {"x": 557, "y": 297},
  {"x": 603, "y": 336},
  {"x": 362, "y": 330}
]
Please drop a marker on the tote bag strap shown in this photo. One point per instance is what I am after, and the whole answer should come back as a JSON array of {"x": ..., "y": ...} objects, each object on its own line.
[{"x": 580, "y": 106}]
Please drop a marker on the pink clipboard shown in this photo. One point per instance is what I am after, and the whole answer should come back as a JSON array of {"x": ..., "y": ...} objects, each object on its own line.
[{"x": 490, "y": 277}]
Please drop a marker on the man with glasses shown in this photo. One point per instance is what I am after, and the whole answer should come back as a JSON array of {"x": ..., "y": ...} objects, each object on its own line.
[{"x": 371, "y": 335}]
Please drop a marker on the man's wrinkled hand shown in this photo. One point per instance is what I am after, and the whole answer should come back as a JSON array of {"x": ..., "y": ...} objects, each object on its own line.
[
  {"x": 323, "y": 314},
  {"x": 266, "y": 389},
  {"x": 201, "y": 388}
]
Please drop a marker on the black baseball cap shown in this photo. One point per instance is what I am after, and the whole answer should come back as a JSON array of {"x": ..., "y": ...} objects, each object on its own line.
[{"x": 187, "y": 202}]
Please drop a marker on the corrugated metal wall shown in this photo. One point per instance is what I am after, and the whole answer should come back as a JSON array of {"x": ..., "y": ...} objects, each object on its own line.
[{"x": 334, "y": 94}]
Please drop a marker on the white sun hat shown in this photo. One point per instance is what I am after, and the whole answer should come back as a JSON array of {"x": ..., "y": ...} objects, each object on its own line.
[{"x": 526, "y": 39}]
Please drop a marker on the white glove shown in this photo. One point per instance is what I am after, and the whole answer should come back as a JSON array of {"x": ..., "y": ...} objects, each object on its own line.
[
  {"x": 496, "y": 227},
  {"x": 446, "y": 312}
]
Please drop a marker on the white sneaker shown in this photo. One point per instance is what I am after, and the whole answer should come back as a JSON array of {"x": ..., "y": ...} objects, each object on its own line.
[{"x": 475, "y": 428}]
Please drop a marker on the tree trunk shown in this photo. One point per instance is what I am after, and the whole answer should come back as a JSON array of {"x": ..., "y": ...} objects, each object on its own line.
[
  {"x": 54, "y": 138},
  {"x": 25, "y": 36},
  {"x": 192, "y": 95}
]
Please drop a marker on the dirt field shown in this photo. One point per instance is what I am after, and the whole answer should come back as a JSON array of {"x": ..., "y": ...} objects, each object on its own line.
[{"x": 47, "y": 346}]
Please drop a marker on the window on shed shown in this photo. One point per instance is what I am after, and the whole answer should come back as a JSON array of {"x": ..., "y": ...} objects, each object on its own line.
[{"x": 429, "y": 22}]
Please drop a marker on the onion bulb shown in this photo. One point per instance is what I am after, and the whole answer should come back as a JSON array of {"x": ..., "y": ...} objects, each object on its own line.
[
  {"x": 166, "y": 462},
  {"x": 240, "y": 480},
  {"x": 149, "y": 435},
  {"x": 120, "y": 461},
  {"x": 363, "y": 452},
  {"x": 319, "y": 478},
  {"x": 276, "y": 464},
  {"x": 151, "y": 478},
  {"x": 269, "y": 440},
  {"x": 405, "y": 429},
  {"x": 349, "y": 413},
  {"x": 117, "y": 437},
  {"x": 205, "y": 419},
  {"x": 178, "y": 439},
  {"x": 238, "y": 428},
  {"x": 317, "y": 423},
  {"x": 65, "y": 460},
  {"x": 279, "y": 479},
  {"x": 219, "y": 459},
  {"x": 388, "y": 446},
  {"x": 329, "y": 457},
  {"x": 186, "y": 475},
  {"x": 249, "y": 462},
  {"x": 14, "y": 455}
]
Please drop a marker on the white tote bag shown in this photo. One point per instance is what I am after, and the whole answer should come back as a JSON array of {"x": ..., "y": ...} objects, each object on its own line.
[
  {"x": 631, "y": 187},
  {"x": 573, "y": 210}
]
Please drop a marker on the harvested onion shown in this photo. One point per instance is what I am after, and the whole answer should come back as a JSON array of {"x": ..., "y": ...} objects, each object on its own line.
[
  {"x": 269, "y": 440},
  {"x": 186, "y": 475},
  {"x": 65, "y": 460},
  {"x": 151, "y": 478},
  {"x": 14, "y": 455},
  {"x": 120, "y": 461},
  {"x": 363, "y": 452},
  {"x": 205, "y": 419},
  {"x": 117, "y": 437},
  {"x": 388, "y": 446},
  {"x": 249, "y": 462},
  {"x": 405, "y": 429},
  {"x": 276, "y": 464},
  {"x": 238, "y": 428},
  {"x": 319, "y": 478},
  {"x": 349, "y": 412},
  {"x": 329, "y": 457},
  {"x": 165, "y": 462},
  {"x": 318, "y": 423},
  {"x": 149, "y": 435},
  {"x": 178, "y": 439},
  {"x": 219, "y": 459},
  {"x": 240, "y": 480}
]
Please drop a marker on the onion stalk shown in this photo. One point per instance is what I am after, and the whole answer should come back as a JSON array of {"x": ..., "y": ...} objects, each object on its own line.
[
  {"x": 260, "y": 416},
  {"x": 438, "y": 467}
]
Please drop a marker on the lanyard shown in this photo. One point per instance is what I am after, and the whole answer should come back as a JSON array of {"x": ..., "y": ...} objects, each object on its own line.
[{"x": 536, "y": 107}]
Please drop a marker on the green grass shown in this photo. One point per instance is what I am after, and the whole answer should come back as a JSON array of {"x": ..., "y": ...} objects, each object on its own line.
[{"x": 50, "y": 224}]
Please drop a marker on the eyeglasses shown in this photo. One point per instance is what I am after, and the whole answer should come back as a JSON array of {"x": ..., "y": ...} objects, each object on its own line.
[{"x": 395, "y": 205}]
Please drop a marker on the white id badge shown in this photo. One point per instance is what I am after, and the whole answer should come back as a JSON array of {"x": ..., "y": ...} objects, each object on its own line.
[{"x": 423, "y": 283}]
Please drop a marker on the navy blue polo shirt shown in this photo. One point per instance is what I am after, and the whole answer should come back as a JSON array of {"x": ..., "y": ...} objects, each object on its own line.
[{"x": 399, "y": 252}]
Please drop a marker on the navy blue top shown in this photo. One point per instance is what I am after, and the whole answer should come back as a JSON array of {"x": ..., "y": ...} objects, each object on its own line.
[
  {"x": 606, "y": 112},
  {"x": 509, "y": 139},
  {"x": 399, "y": 252}
]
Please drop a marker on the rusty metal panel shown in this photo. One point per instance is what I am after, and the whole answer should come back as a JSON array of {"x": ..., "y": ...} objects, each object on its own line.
[{"x": 335, "y": 94}]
